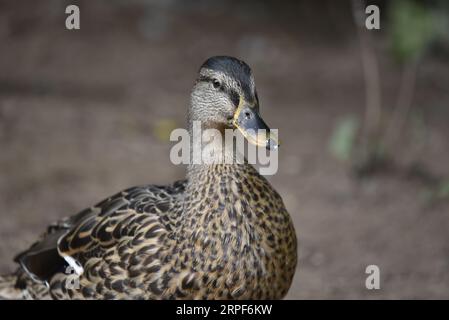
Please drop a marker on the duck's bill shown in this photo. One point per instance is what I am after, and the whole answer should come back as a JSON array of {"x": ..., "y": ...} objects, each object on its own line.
[{"x": 254, "y": 129}]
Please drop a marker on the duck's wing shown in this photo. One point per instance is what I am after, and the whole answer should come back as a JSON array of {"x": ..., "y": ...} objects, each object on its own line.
[{"x": 72, "y": 241}]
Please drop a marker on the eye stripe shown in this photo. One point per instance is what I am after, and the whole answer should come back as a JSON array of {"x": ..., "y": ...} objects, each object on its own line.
[
  {"x": 233, "y": 95},
  {"x": 208, "y": 79},
  {"x": 205, "y": 79}
]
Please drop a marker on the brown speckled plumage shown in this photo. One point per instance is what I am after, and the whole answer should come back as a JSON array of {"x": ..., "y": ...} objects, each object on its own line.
[{"x": 223, "y": 233}]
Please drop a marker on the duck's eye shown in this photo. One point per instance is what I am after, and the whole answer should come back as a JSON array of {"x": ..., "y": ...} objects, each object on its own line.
[{"x": 216, "y": 83}]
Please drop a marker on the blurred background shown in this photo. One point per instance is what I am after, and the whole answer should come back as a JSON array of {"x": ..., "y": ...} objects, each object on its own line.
[{"x": 363, "y": 116}]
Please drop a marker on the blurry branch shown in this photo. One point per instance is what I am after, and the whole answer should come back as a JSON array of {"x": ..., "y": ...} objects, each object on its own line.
[
  {"x": 411, "y": 30},
  {"x": 403, "y": 105},
  {"x": 412, "y": 26},
  {"x": 370, "y": 73},
  {"x": 370, "y": 152}
]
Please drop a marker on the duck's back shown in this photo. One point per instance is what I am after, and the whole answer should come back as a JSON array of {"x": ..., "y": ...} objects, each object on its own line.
[{"x": 106, "y": 244}]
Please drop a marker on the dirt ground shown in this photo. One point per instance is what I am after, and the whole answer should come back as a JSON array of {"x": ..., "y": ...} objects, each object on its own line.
[{"x": 81, "y": 111}]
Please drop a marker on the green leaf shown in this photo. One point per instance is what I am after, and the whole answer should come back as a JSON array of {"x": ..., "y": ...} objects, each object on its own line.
[
  {"x": 412, "y": 28},
  {"x": 343, "y": 138},
  {"x": 443, "y": 190}
]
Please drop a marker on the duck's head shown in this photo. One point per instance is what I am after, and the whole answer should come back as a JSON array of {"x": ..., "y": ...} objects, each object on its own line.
[{"x": 225, "y": 96}]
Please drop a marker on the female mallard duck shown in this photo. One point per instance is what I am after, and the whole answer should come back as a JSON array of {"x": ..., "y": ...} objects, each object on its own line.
[{"x": 223, "y": 233}]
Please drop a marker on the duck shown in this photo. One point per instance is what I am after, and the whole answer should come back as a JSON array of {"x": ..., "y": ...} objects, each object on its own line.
[{"x": 223, "y": 232}]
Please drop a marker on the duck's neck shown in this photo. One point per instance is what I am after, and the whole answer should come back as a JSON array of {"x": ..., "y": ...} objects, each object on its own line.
[
  {"x": 217, "y": 189},
  {"x": 208, "y": 146}
]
